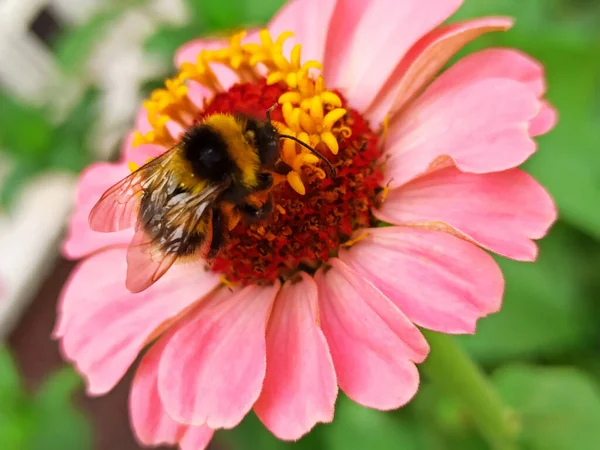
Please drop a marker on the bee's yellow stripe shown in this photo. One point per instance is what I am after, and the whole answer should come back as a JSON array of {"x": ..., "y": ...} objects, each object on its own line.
[{"x": 241, "y": 152}]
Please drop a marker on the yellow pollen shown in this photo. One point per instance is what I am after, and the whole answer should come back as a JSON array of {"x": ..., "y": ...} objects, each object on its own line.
[
  {"x": 310, "y": 111},
  {"x": 132, "y": 166}
]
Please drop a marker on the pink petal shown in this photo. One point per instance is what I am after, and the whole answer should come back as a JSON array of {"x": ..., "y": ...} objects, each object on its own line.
[
  {"x": 439, "y": 281},
  {"x": 300, "y": 386},
  {"x": 494, "y": 63},
  {"x": 373, "y": 345},
  {"x": 198, "y": 93},
  {"x": 81, "y": 240},
  {"x": 500, "y": 211},
  {"x": 196, "y": 438},
  {"x": 213, "y": 367},
  {"x": 140, "y": 154},
  {"x": 482, "y": 127},
  {"x": 425, "y": 59},
  {"x": 347, "y": 15},
  {"x": 150, "y": 422},
  {"x": 309, "y": 20},
  {"x": 152, "y": 426},
  {"x": 505, "y": 63},
  {"x": 103, "y": 326},
  {"x": 387, "y": 29},
  {"x": 544, "y": 121},
  {"x": 141, "y": 121}
]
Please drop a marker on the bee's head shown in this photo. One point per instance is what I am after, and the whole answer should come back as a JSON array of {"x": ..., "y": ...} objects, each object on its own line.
[{"x": 267, "y": 143}]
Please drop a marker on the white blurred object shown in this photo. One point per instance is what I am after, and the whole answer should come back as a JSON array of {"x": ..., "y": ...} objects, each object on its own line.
[
  {"x": 29, "y": 237},
  {"x": 28, "y": 242}
]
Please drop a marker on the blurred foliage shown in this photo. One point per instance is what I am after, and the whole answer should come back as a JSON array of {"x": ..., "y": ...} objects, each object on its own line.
[
  {"x": 33, "y": 142},
  {"x": 46, "y": 420},
  {"x": 559, "y": 407},
  {"x": 75, "y": 45}
]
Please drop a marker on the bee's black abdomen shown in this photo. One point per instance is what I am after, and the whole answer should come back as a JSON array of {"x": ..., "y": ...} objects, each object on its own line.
[{"x": 207, "y": 153}]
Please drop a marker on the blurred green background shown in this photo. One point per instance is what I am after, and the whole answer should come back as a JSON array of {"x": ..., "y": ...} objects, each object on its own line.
[{"x": 542, "y": 351}]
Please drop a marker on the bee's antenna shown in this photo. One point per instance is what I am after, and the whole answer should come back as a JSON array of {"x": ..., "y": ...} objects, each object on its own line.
[
  {"x": 272, "y": 108},
  {"x": 311, "y": 149}
]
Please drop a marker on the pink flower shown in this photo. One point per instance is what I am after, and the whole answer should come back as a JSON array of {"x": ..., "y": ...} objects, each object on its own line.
[{"x": 321, "y": 296}]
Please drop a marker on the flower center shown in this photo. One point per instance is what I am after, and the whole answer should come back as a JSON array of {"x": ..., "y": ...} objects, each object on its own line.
[{"x": 314, "y": 213}]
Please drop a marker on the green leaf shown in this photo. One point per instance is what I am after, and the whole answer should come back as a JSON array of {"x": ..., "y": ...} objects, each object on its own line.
[
  {"x": 59, "y": 425},
  {"x": 357, "y": 427},
  {"x": 442, "y": 423},
  {"x": 25, "y": 131},
  {"x": 559, "y": 407},
  {"x": 11, "y": 390},
  {"x": 84, "y": 114},
  {"x": 221, "y": 16},
  {"x": 15, "y": 417},
  {"x": 70, "y": 149},
  {"x": 545, "y": 311}
]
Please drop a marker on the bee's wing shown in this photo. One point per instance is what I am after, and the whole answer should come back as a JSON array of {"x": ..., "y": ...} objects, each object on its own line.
[
  {"x": 118, "y": 207},
  {"x": 147, "y": 259}
]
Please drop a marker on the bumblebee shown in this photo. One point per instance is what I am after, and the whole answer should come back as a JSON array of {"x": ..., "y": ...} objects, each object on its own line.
[{"x": 179, "y": 202}]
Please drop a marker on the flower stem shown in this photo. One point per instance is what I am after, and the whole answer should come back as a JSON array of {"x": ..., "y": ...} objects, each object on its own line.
[{"x": 452, "y": 370}]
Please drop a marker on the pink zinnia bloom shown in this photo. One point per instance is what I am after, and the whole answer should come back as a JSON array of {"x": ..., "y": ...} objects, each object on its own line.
[{"x": 318, "y": 296}]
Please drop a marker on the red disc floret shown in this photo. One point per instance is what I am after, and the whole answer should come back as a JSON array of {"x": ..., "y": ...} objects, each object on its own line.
[{"x": 304, "y": 231}]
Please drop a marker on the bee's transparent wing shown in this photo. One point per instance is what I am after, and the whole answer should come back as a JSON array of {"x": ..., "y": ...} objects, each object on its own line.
[
  {"x": 118, "y": 207},
  {"x": 149, "y": 258}
]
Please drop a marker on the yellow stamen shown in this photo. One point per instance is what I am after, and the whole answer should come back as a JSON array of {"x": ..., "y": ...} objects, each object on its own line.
[
  {"x": 355, "y": 240},
  {"x": 290, "y": 97},
  {"x": 331, "y": 142},
  {"x": 332, "y": 99},
  {"x": 310, "y": 111},
  {"x": 225, "y": 282},
  {"x": 332, "y": 117},
  {"x": 274, "y": 78},
  {"x": 383, "y": 194},
  {"x": 316, "y": 109},
  {"x": 132, "y": 166},
  {"x": 307, "y": 122},
  {"x": 385, "y": 126},
  {"x": 304, "y": 159},
  {"x": 296, "y": 182}
]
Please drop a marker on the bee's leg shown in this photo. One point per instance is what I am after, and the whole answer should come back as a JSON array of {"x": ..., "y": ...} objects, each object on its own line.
[
  {"x": 217, "y": 233},
  {"x": 265, "y": 181},
  {"x": 254, "y": 213}
]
